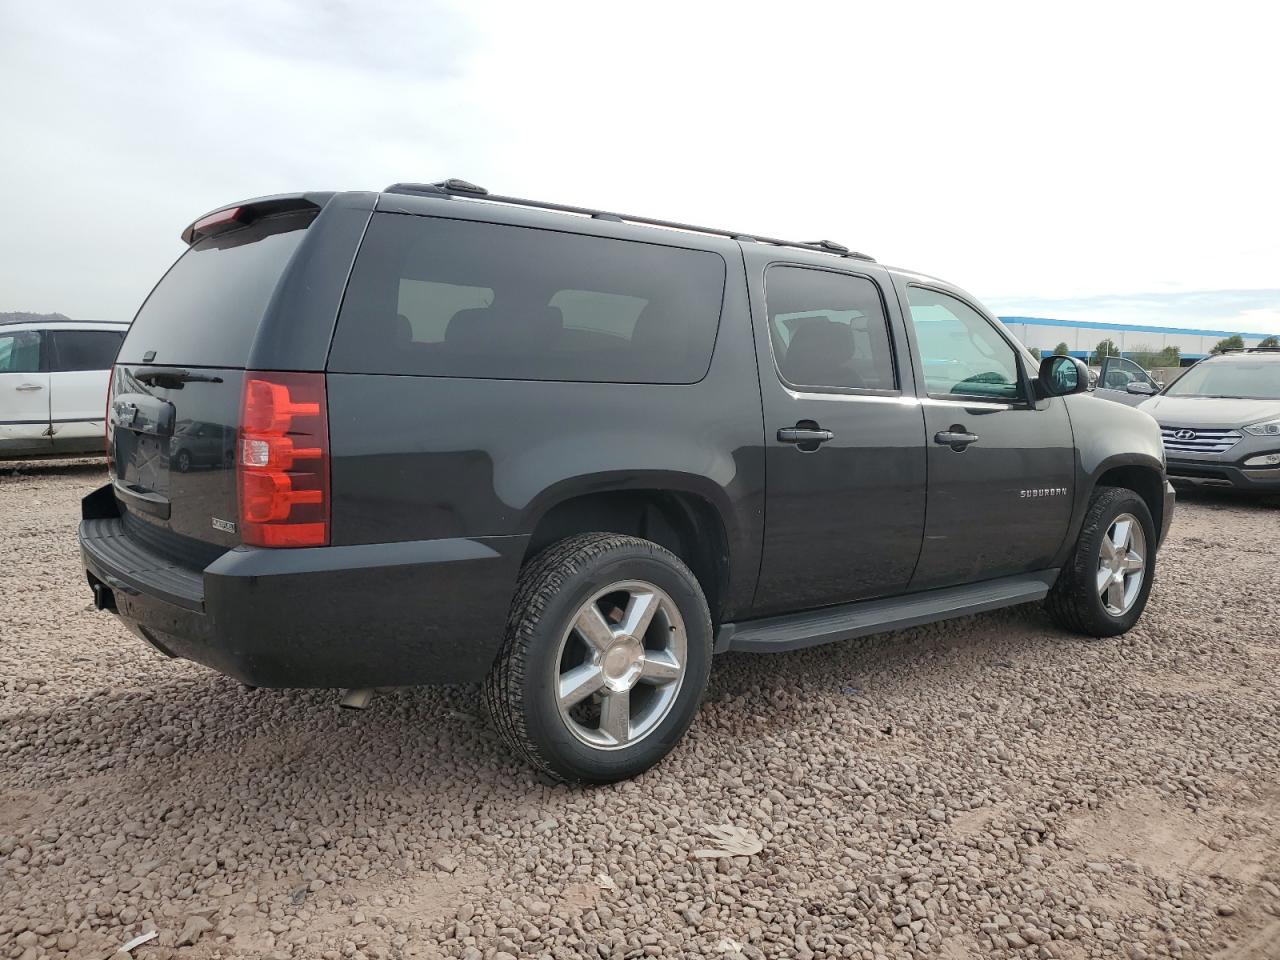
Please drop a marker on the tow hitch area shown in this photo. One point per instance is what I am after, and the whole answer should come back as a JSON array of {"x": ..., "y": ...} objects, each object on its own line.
[{"x": 103, "y": 598}]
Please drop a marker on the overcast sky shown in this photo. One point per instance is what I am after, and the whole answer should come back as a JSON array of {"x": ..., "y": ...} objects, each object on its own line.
[{"x": 1092, "y": 161}]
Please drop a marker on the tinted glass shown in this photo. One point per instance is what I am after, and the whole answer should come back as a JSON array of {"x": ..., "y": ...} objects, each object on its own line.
[
  {"x": 960, "y": 351},
  {"x": 828, "y": 330},
  {"x": 450, "y": 298},
  {"x": 206, "y": 310},
  {"x": 1119, "y": 372},
  {"x": 1251, "y": 379},
  {"x": 85, "y": 349},
  {"x": 20, "y": 352}
]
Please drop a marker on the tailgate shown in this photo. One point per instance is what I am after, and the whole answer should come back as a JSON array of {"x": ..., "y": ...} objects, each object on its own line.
[
  {"x": 172, "y": 439},
  {"x": 175, "y": 399}
]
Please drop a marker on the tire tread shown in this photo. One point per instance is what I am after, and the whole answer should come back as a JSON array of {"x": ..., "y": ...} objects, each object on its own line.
[
  {"x": 1069, "y": 600},
  {"x": 540, "y": 580}
]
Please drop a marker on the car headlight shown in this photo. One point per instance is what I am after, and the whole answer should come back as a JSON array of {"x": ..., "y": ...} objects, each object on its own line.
[{"x": 1267, "y": 428}]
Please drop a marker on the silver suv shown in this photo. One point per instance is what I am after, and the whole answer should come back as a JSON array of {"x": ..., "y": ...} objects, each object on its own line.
[{"x": 1221, "y": 421}]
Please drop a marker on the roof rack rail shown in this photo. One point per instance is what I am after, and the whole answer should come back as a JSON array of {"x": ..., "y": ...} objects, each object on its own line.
[
  {"x": 454, "y": 187},
  {"x": 1252, "y": 350}
]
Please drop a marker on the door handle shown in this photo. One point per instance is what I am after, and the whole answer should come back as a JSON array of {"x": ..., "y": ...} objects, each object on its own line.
[
  {"x": 957, "y": 438},
  {"x": 799, "y": 434},
  {"x": 26, "y": 387}
]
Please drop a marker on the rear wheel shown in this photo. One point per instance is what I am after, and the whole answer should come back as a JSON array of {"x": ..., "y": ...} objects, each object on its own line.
[
  {"x": 606, "y": 657},
  {"x": 1104, "y": 588}
]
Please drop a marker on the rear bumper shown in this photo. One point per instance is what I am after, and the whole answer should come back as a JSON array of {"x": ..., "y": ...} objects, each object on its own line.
[
  {"x": 1210, "y": 473},
  {"x": 368, "y": 615}
]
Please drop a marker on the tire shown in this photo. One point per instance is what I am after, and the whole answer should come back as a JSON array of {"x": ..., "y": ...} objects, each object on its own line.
[
  {"x": 184, "y": 461},
  {"x": 573, "y": 604},
  {"x": 1081, "y": 601}
]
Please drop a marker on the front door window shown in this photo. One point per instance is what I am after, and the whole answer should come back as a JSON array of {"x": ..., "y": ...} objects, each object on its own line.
[{"x": 962, "y": 354}]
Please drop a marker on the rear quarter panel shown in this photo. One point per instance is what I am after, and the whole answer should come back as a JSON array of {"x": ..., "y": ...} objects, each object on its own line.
[{"x": 421, "y": 458}]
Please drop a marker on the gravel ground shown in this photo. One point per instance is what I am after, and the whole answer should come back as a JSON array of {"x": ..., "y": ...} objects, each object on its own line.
[{"x": 988, "y": 787}]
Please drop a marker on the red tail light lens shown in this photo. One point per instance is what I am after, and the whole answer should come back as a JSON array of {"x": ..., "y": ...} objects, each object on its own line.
[
  {"x": 106, "y": 417},
  {"x": 282, "y": 460}
]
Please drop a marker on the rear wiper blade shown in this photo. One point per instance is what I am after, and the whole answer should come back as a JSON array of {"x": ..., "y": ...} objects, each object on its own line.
[{"x": 172, "y": 377}]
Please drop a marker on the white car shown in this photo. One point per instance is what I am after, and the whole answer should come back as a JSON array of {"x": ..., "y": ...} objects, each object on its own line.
[{"x": 53, "y": 385}]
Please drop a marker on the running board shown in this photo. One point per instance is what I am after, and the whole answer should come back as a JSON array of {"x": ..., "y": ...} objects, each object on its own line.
[{"x": 794, "y": 631}]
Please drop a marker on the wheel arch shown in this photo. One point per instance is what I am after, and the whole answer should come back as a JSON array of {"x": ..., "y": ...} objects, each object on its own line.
[
  {"x": 1144, "y": 479},
  {"x": 685, "y": 521}
]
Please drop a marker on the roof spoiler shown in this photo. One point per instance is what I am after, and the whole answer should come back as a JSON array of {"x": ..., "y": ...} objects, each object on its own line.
[{"x": 235, "y": 215}]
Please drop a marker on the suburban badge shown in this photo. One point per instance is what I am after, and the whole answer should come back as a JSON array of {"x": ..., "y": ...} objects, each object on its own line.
[{"x": 1038, "y": 492}]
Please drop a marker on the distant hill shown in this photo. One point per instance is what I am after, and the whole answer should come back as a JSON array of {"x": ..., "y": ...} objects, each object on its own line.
[{"x": 18, "y": 316}]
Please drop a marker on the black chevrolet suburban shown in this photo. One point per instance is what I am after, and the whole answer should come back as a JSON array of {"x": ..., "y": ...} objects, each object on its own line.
[{"x": 449, "y": 437}]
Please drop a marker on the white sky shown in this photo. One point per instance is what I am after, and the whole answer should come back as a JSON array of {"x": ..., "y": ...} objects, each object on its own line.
[{"x": 1087, "y": 160}]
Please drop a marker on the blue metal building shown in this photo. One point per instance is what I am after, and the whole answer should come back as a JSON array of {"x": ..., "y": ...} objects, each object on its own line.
[{"x": 1083, "y": 336}]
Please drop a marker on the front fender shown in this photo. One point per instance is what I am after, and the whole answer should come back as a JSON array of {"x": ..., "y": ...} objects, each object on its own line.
[{"x": 1121, "y": 441}]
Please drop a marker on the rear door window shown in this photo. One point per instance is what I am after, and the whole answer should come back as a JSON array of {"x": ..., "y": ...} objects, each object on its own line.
[
  {"x": 829, "y": 330},
  {"x": 84, "y": 349},
  {"x": 206, "y": 310},
  {"x": 453, "y": 298}
]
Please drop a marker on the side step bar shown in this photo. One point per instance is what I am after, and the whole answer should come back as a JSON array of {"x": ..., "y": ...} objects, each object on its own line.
[{"x": 794, "y": 631}]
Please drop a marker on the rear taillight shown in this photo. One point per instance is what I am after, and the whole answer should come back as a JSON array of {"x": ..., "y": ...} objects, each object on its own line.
[
  {"x": 282, "y": 460},
  {"x": 106, "y": 417}
]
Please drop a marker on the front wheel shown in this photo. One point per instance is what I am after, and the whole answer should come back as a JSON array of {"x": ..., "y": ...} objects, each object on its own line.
[
  {"x": 1104, "y": 587},
  {"x": 606, "y": 657}
]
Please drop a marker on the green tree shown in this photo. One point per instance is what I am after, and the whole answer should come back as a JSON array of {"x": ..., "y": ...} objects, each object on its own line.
[
  {"x": 1035, "y": 352},
  {"x": 1144, "y": 356},
  {"x": 1062, "y": 350},
  {"x": 1106, "y": 348},
  {"x": 1148, "y": 357},
  {"x": 1233, "y": 342},
  {"x": 1270, "y": 342}
]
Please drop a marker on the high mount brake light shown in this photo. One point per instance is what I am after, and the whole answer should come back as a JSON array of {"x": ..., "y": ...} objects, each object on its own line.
[
  {"x": 221, "y": 218},
  {"x": 282, "y": 460}
]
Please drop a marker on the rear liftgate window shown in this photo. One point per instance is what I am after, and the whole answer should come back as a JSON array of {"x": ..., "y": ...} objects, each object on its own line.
[
  {"x": 453, "y": 298},
  {"x": 206, "y": 310}
]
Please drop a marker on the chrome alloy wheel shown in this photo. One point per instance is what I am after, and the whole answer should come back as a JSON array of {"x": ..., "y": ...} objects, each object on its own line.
[
  {"x": 1122, "y": 564},
  {"x": 620, "y": 665}
]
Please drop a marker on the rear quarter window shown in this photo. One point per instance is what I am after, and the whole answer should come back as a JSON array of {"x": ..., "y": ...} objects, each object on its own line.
[
  {"x": 206, "y": 310},
  {"x": 454, "y": 298}
]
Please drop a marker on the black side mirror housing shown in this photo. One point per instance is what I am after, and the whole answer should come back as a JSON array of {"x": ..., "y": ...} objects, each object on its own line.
[
  {"x": 1061, "y": 376},
  {"x": 1140, "y": 387}
]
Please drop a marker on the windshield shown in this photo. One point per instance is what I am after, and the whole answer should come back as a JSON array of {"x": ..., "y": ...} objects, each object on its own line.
[{"x": 1241, "y": 379}]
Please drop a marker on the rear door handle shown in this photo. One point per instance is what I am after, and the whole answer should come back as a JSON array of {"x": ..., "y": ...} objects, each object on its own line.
[
  {"x": 804, "y": 435},
  {"x": 25, "y": 387},
  {"x": 957, "y": 438}
]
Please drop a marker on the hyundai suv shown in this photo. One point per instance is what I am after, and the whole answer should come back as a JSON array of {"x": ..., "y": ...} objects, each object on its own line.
[
  {"x": 453, "y": 437},
  {"x": 1221, "y": 421}
]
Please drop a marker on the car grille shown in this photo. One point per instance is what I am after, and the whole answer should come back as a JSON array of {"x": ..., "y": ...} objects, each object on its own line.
[{"x": 1199, "y": 439}]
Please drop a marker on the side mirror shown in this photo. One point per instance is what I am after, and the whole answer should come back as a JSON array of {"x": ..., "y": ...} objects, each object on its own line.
[
  {"x": 1060, "y": 376},
  {"x": 1140, "y": 386}
]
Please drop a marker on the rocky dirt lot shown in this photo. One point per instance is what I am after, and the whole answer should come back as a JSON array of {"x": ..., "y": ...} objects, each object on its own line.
[{"x": 989, "y": 787}]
